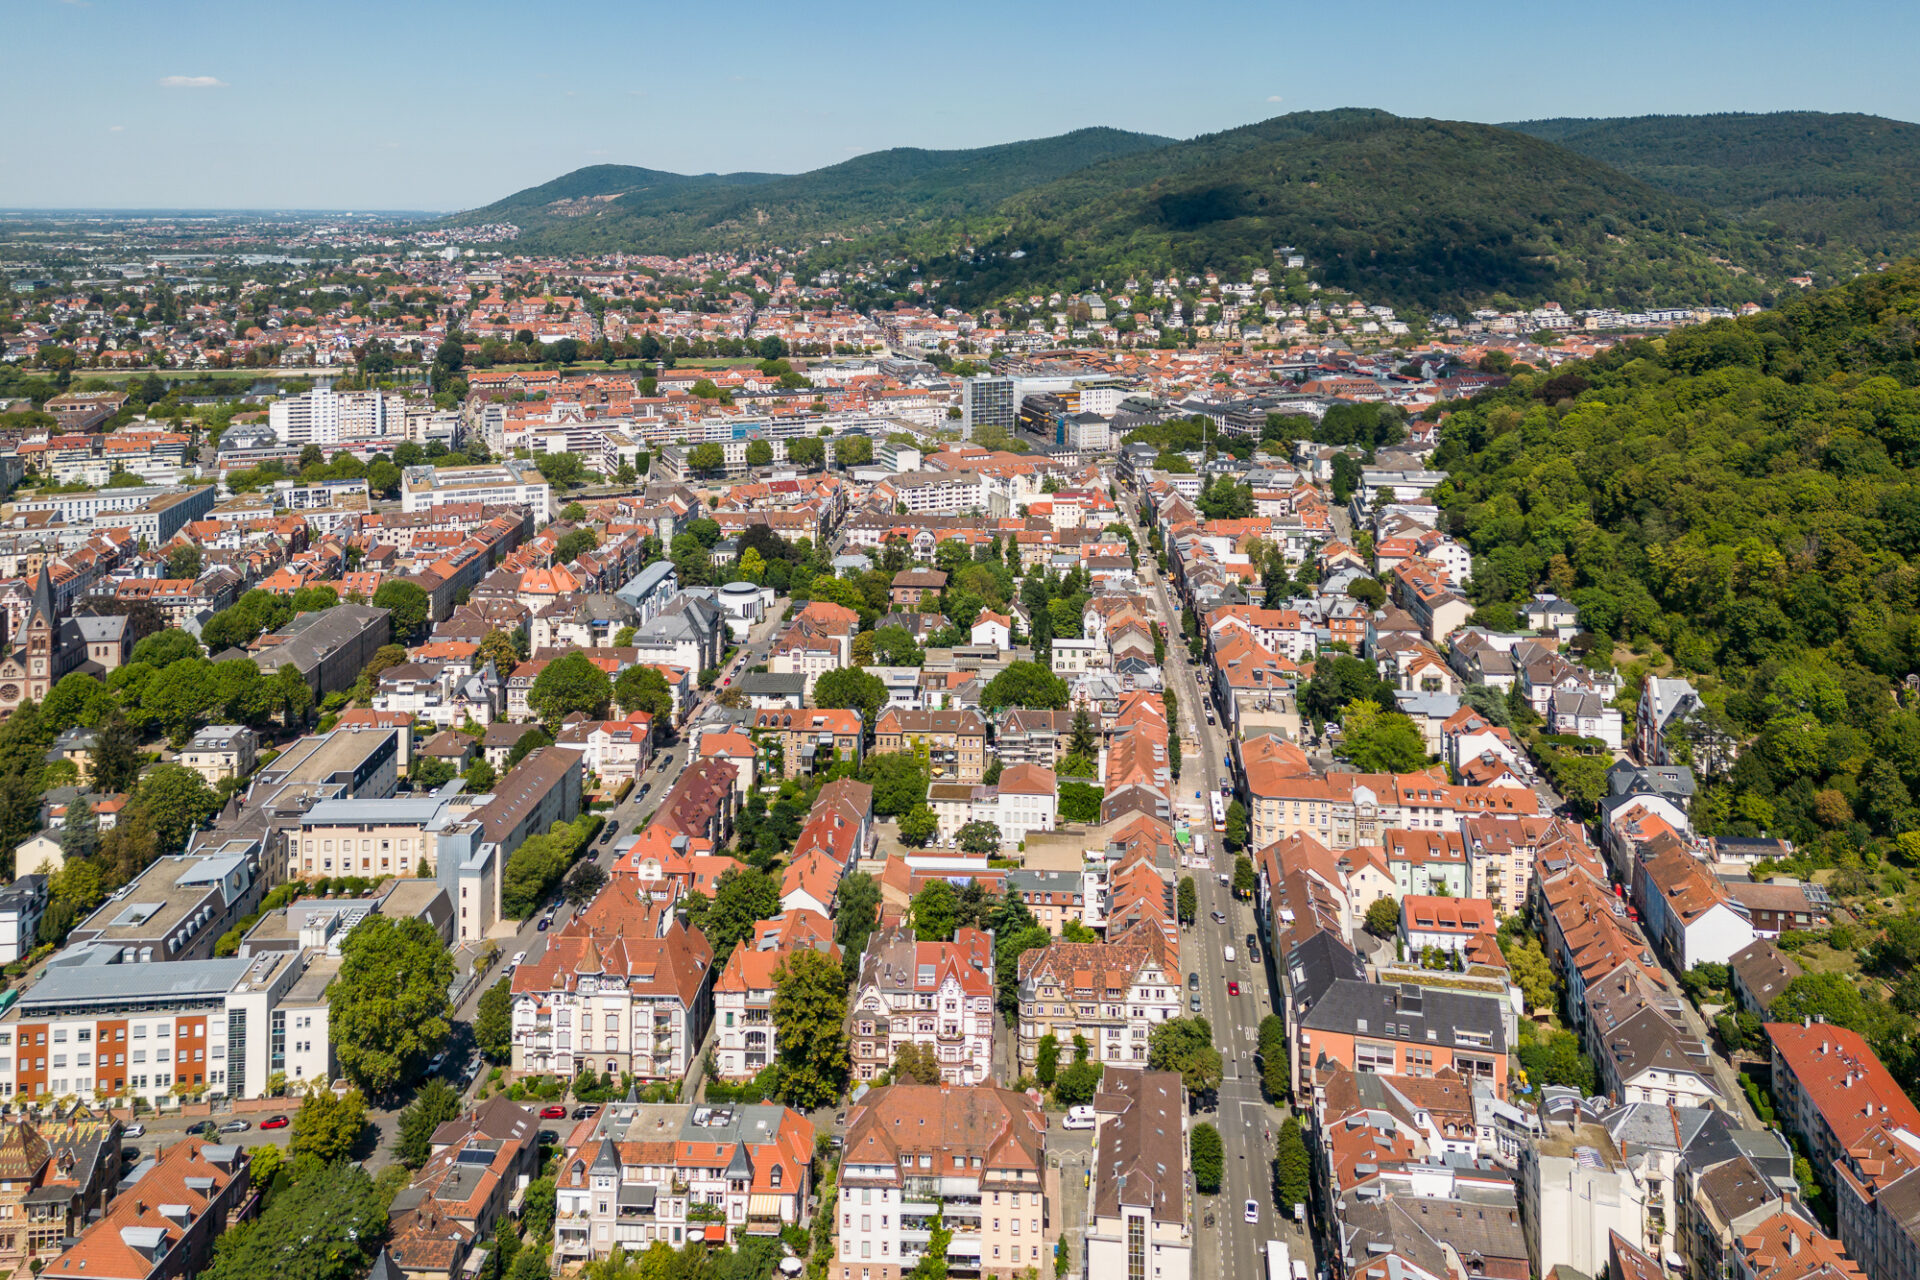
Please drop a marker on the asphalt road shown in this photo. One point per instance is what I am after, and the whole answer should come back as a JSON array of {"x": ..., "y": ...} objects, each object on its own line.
[{"x": 1231, "y": 1246}]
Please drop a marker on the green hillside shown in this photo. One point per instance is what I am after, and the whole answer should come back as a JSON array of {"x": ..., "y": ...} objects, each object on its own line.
[
  {"x": 1738, "y": 504},
  {"x": 1818, "y": 176},
  {"x": 618, "y": 207},
  {"x": 1419, "y": 212}
]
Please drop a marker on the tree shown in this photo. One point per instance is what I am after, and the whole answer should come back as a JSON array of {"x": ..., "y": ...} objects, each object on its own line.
[
  {"x": 1236, "y": 824},
  {"x": 759, "y": 453},
  {"x": 1293, "y": 1166},
  {"x": 498, "y": 648},
  {"x": 1380, "y": 741},
  {"x": 978, "y": 837},
  {"x": 853, "y": 451},
  {"x": 1046, "y": 1062},
  {"x": 574, "y": 544},
  {"x": 80, "y": 834},
  {"x": 480, "y": 776},
  {"x": 895, "y": 647},
  {"x": 809, "y": 1015},
  {"x": 1383, "y": 918},
  {"x": 1079, "y": 801},
  {"x": 1531, "y": 971},
  {"x": 493, "y": 1025},
  {"x": 1077, "y": 1084},
  {"x": 934, "y": 910},
  {"x": 1208, "y": 1158},
  {"x": 1024, "y": 684},
  {"x": 389, "y": 1005},
  {"x": 918, "y": 825},
  {"x": 643, "y": 688},
  {"x": 1185, "y": 1045},
  {"x": 856, "y": 911},
  {"x": 429, "y": 774},
  {"x": 741, "y": 899},
  {"x": 1188, "y": 896},
  {"x": 1273, "y": 1057},
  {"x": 586, "y": 880},
  {"x": 328, "y": 1124},
  {"x": 564, "y": 470},
  {"x": 435, "y": 1104},
  {"x": 1244, "y": 879},
  {"x": 933, "y": 1263},
  {"x": 406, "y": 605},
  {"x": 706, "y": 458},
  {"x": 176, "y": 800},
  {"x": 806, "y": 452},
  {"x": 899, "y": 782},
  {"x": 1338, "y": 680},
  {"x": 916, "y": 1062},
  {"x": 853, "y": 689},
  {"x": 1831, "y": 997},
  {"x": 1083, "y": 740},
  {"x": 159, "y": 650},
  {"x": 327, "y": 1225},
  {"x": 569, "y": 684}
]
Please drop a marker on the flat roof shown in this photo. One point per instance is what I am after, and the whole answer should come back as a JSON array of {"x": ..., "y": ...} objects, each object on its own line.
[
  {"x": 117, "y": 983},
  {"x": 318, "y": 758},
  {"x": 392, "y": 811}
]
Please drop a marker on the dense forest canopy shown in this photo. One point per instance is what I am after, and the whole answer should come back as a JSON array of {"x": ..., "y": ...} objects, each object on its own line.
[
  {"x": 1737, "y": 504},
  {"x": 1815, "y": 175},
  {"x": 608, "y": 207},
  {"x": 1414, "y": 213}
]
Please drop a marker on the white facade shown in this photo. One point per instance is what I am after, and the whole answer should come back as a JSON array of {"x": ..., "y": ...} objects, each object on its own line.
[
  {"x": 323, "y": 416},
  {"x": 494, "y": 484}
]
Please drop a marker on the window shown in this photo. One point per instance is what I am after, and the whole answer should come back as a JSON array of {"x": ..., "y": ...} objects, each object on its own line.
[{"x": 1377, "y": 1058}]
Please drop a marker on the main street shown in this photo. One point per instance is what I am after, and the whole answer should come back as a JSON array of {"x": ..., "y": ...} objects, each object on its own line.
[{"x": 1231, "y": 1246}]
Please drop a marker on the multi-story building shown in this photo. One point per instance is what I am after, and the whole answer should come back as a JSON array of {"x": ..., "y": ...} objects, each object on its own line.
[
  {"x": 811, "y": 738},
  {"x": 987, "y": 401},
  {"x": 1112, "y": 993},
  {"x": 330, "y": 647},
  {"x": 164, "y": 1226},
  {"x": 626, "y": 986},
  {"x": 973, "y": 1156},
  {"x": 937, "y": 995},
  {"x": 954, "y": 742},
  {"x": 1576, "y": 1190},
  {"x": 1407, "y": 1030},
  {"x": 55, "y": 1174},
  {"x": 1137, "y": 1219},
  {"x": 642, "y": 1173},
  {"x": 325, "y": 416},
  {"x": 504, "y": 483},
  {"x": 221, "y": 751},
  {"x": 745, "y": 1039},
  {"x": 176, "y": 909},
  {"x": 130, "y": 1029}
]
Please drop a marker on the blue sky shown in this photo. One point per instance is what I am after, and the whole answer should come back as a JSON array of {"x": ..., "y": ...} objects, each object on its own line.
[{"x": 422, "y": 104}]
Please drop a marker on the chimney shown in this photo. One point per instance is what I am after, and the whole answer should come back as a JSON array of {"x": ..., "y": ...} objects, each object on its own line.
[{"x": 1793, "y": 1244}]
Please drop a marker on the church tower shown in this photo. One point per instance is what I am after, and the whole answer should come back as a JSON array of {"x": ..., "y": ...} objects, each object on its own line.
[{"x": 42, "y": 629}]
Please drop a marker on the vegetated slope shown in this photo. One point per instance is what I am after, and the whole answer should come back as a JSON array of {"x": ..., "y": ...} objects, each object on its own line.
[
  {"x": 1420, "y": 212},
  {"x": 1816, "y": 175},
  {"x": 645, "y": 210},
  {"x": 1741, "y": 499}
]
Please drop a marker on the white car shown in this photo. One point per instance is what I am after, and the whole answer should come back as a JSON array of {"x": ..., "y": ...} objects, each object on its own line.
[
  {"x": 514, "y": 963},
  {"x": 1253, "y": 1211},
  {"x": 1078, "y": 1118}
]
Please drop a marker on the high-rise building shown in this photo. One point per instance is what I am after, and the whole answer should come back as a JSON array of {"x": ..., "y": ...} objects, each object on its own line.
[
  {"x": 987, "y": 401},
  {"x": 325, "y": 416}
]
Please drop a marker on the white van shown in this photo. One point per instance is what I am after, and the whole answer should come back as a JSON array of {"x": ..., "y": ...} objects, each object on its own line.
[
  {"x": 1229, "y": 955},
  {"x": 1078, "y": 1118}
]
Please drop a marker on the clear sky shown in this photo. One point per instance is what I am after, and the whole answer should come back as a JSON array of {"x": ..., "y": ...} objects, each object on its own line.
[{"x": 424, "y": 104}]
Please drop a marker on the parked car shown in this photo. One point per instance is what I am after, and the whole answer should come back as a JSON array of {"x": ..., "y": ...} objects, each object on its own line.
[
  {"x": 1078, "y": 1118},
  {"x": 514, "y": 963},
  {"x": 236, "y": 1126},
  {"x": 586, "y": 1112},
  {"x": 1193, "y": 981},
  {"x": 134, "y": 1131},
  {"x": 275, "y": 1122},
  {"x": 203, "y": 1126},
  {"x": 553, "y": 1111},
  {"x": 545, "y": 922},
  {"x": 613, "y": 829},
  {"x": 1193, "y": 1002}
]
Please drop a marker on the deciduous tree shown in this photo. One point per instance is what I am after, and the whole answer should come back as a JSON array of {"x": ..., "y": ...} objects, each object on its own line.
[
  {"x": 809, "y": 1014},
  {"x": 389, "y": 1005}
]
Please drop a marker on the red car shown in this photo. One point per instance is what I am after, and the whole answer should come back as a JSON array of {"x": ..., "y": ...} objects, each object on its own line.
[
  {"x": 1233, "y": 988},
  {"x": 277, "y": 1122},
  {"x": 554, "y": 1112}
]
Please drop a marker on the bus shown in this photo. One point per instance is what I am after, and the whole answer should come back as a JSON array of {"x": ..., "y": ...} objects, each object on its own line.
[
  {"x": 1277, "y": 1268},
  {"x": 1219, "y": 812}
]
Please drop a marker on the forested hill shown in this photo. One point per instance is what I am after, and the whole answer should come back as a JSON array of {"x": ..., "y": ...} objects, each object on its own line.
[
  {"x": 1738, "y": 504},
  {"x": 618, "y": 207},
  {"x": 1417, "y": 212},
  {"x": 1825, "y": 178}
]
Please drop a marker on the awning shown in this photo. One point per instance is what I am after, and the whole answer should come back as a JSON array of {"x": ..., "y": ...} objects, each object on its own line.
[
  {"x": 763, "y": 1204},
  {"x": 716, "y": 1233}
]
